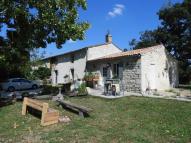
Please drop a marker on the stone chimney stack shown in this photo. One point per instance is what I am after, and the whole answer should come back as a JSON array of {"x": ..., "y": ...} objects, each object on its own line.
[{"x": 108, "y": 38}]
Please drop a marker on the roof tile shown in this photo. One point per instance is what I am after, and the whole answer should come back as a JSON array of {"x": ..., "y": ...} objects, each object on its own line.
[{"x": 129, "y": 53}]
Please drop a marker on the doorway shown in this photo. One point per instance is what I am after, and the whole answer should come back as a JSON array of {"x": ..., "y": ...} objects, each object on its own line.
[
  {"x": 152, "y": 76},
  {"x": 72, "y": 73},
  {"x": 56, "y": 76}
]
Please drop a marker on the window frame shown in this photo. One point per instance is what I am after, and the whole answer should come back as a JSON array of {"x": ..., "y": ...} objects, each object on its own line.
[
  {"x": 104, "y": 72},
  {"x": 72, "y": 58},
  {"x": 116, "y": 70}
]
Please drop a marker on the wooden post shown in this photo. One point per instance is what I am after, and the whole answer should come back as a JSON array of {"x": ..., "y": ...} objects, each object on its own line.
[
  {"x": 24, "y": 107},
  {"x": 81, "y": 114},
  {"x": 44, "y": 111}
]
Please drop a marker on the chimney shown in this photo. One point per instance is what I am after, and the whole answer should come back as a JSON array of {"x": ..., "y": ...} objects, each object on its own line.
[{"x": 108, "y": 38}]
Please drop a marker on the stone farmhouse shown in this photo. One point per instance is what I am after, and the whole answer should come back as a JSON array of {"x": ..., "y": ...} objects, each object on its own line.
[{"x": 151, "y": 68}]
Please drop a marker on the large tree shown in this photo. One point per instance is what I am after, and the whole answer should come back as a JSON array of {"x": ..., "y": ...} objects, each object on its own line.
[
  {"x": 175, "y": 33},
  {"x": 30, "y": 24}
]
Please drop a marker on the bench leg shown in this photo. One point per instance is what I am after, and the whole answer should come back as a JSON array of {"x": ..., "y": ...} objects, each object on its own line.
[
  {"x": 24, "y": 108},
  {"x": 44, "y": 111},
  {"x": 81, "y": 114}
]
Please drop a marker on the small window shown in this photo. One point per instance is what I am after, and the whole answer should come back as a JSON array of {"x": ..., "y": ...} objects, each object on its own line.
[
  {"x": 104, "y": 72},
  {"x": 72, "y": 72},
  {"x": 53, "y": 60},
  {"x": 127, "y": 64},
  {"x": 72, "y": 58},
  {"x": 116, "y": 70}
]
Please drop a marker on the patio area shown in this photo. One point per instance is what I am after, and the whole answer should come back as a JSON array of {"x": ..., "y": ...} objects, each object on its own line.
[{"x": 180, "y": 94}]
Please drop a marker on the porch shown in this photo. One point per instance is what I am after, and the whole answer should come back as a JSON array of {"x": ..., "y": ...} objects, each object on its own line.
[{"x": 117, "y": 75}]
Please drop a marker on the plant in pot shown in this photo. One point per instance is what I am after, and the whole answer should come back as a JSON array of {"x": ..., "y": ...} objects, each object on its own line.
[{"x": 89, "y": 76}]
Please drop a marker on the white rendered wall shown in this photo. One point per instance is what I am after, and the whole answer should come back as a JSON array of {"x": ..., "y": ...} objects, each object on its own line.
[
  {"x": 64, "y": 66},
  {"x": 103, "y": 50},
  {"x": 155, "y": 69}
]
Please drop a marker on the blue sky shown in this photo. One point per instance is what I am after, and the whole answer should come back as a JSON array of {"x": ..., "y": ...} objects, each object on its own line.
[{"x": 124, "y": 18}]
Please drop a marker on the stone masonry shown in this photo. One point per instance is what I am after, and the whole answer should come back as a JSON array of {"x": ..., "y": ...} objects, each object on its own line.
[{"x": 132, "y": 76}]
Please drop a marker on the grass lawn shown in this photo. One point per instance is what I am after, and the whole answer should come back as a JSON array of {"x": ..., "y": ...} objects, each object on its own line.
[{"x": 128, "y": 119}]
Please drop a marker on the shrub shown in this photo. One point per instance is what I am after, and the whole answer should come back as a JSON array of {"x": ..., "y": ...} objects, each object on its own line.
[
  {"x": 82, "y": 89},
  {"x": 42, "y": 73},
  {"x": 49, "y": 89}
]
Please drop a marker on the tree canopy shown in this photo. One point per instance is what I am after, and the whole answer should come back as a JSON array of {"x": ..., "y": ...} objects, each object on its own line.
[
  {"x": 42, "y": 73},
  {"x": 34, "y": 23},
  {"x": 31, "y": 24},
  {"x": 174, "y": 32}
]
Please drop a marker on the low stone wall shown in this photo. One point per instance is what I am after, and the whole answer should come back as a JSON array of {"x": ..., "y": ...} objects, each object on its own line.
[{"x": 132, "y": 76}]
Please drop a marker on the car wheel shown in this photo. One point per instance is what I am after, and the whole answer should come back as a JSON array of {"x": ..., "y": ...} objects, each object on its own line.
[
  {"x": 11, "y": 89},
  {"x": 34, "y": 86}
]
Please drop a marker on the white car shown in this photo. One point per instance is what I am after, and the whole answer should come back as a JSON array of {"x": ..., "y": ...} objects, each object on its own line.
[{"x": 19, "y": 84}]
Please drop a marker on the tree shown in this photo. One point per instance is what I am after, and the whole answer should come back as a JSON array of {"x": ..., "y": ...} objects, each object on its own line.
[
  {"x": 175, "y": 33},
  {"x": 33, "y": 24},
  {"x": 147, "y": 39},
  {"x": 42, "y": 73}
]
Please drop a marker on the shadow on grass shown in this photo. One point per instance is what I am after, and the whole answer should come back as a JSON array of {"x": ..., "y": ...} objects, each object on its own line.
[
  {"x": 34, "y": 112},
  {"x": 188, "y": 87}
]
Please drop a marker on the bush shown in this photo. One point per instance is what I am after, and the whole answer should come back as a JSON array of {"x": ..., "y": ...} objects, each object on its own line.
[
  {"x": 49, "y": 89},
  {"x": 82, "y": 89},
  {"x": 42, "y": 73}
]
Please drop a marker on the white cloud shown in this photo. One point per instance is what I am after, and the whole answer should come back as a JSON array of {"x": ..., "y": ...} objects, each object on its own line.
[
  {"x": 117, "y": 10},
  {"x": 71, "y": 41}
]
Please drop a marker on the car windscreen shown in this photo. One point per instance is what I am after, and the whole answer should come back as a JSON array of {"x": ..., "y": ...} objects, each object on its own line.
[{"x": 16, "y": 80}]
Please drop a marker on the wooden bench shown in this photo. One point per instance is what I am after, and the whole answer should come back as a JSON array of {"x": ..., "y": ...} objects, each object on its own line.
[
  {"x": 80, "y": 109},
  {"x": 6, "y": 101},
  {"x": 49, "y": 116}
]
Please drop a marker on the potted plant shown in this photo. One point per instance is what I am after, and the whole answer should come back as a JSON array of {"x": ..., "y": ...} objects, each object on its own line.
[{"x": 88, "y": 76}]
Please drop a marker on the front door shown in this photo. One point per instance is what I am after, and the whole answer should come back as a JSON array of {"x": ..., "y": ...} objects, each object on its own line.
[
  {"x": 72, "y": 73},
  {"x": 56, "y": 76},
  {"x": 152, "y": 76}
]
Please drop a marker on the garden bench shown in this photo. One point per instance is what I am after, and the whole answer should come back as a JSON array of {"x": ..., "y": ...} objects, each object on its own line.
[
  {"x": 49, "y": 116},
  {"x": 82, "y": 111},
  {"x": 6, "y": 101}
]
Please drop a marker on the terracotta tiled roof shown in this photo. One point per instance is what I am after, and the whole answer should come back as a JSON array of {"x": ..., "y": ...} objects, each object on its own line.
[{"x": 128, "y": 53}]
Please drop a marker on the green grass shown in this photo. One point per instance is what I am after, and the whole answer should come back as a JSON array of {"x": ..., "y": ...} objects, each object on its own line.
[{"x": 129, "y": 119}]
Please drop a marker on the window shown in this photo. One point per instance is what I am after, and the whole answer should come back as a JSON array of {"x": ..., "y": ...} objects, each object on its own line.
[
  {"x": 53, "y": 60},
  {"x": 116, "y": 70},
  {"x": 72, "y": 58},
  {"x": 104, "y": 72},
  {"x": 56, "y": 76},
  {"x": 72, "y": 72}
]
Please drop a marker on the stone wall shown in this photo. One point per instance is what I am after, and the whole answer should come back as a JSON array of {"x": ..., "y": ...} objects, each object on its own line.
[{"x": 131, "y": 81}]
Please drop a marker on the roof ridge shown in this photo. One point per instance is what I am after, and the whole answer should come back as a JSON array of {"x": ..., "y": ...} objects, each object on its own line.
[
  {"x": 129, "y": 53},
  {"x": 146, "y": 48},
  {"x": 97, "y": 45}
]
